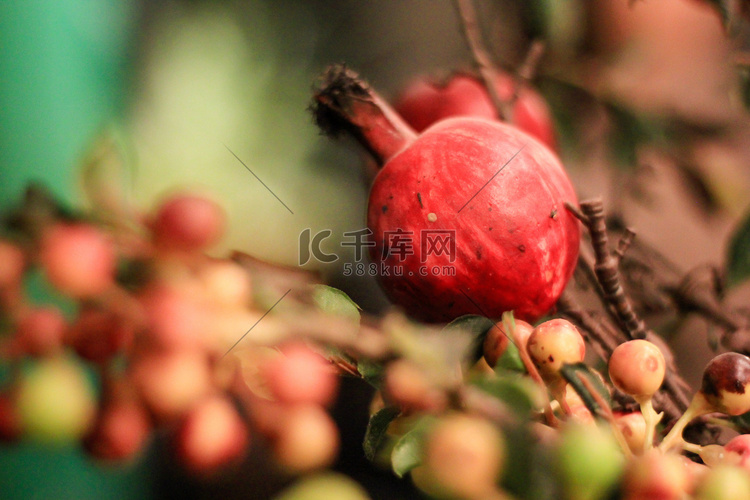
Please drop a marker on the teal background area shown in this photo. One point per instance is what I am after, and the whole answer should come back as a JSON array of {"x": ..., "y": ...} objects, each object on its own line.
[{"x": 63, "y": 76}]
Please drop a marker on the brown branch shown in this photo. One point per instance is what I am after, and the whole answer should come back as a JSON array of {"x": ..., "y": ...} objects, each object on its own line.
[
  {"x": 473, "y": 36},
  {"x": 601, "y": 338},
  {"x": 607, "y": 272}
]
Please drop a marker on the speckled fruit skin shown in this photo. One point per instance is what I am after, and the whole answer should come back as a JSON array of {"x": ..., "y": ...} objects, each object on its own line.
[
  {"x": 423, "y": 102},
  {"x": 504, "y": 194}
]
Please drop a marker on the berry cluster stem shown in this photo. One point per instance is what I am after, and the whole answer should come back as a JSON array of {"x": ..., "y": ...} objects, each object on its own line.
[
  {"x": 698, "y": 406},
  {"x": 652, "y": 420}
]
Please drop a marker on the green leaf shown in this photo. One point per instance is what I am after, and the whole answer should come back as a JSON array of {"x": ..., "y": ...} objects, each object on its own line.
[
  {"x": 572, "y": 372},
  {"x": 738, "y": 254},
  {"x": 333, "y": 301},
  {"x": 371, "y": 371},
  {"x": 437, "y": 351},
  {"x": 510, "y": 361},
  {"x": 376, "y": 430},
  {"x": 519, "y": 393},
  {"x": 407, "y": 452},
  {"x": 511, "y": 358},
  {"x": 476, "y": 327},
  {"x": 744, "y": 77},
  {"x": 741, "y": 423},
  {"x": 628, "y": 133}
]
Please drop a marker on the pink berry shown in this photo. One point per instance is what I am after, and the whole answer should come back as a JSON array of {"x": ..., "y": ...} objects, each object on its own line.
[
  {"x": 171, "y": 382},
  {"x": 637, "y": 367},
  {"x": 212, "y": 435},
  {"x": 464, "y": 456},
  {"x": 633, "y": 428},
  {"x": 409, "y": 387},
  {"x": 306, "y": 439},
  {"x": 78, "y": 259},
  {"x": 175, "y": 318},
  {"x": 741, "y": 446},
  {"x": 188, "y": 222},
  {"x": 300, "y": 376},
  {"x": 656, "y": 475},
  {"x": 40, "y": 330},
  {"x": 554, "y": 343}
]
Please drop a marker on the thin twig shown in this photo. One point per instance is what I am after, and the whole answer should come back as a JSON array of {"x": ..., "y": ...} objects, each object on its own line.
[
  {"x": 527, "y": 70},
  {"x": 473, "y": 36}
]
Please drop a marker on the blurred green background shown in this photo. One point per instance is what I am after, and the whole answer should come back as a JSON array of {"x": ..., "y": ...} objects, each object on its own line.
[{"x": 170, "y": 88}]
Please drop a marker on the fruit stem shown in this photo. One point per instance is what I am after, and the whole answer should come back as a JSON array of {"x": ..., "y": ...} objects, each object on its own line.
[
  {"x": 344, "y": 102},
  {"x": 509, "y": 323},
  {"x": 652, "y": 420},
  {"x": 698, "y": 406}
]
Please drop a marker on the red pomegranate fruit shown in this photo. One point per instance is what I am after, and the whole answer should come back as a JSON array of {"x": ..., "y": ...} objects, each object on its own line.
[
  {"x": 425, "y": 101},
  {"x": 467, "y": 217}
]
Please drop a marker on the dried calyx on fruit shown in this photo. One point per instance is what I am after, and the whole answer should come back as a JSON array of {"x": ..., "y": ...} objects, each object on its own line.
[{"x": 467, "y": 217}]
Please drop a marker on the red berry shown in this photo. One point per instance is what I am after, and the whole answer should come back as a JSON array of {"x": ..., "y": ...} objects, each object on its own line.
[
  {"x": 11, "y": 264},
  {"x": 10, "y": 421},
  {"x": 98, "y": 334},
  {"x": 300, "y": 375},
  {"x": 424, "y": 102},
  {"x": 188, "y": 222},
  {"x": 637, "y": 367},
  {"x": 40, "y": 330},
  {"x": 78, "y": 259},
  {"x": 554, "y": 343},
  {"x": 725, "y": 383},
  {"x": 467, "y": 218},
  {"x": 212, "y": 435},
  {"x": 121, "y": 431}
]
